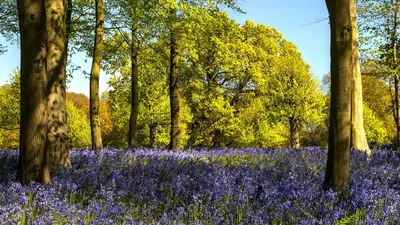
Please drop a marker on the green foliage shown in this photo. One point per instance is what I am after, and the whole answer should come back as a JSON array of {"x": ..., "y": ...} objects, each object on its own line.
[
  {"x": 77, "y": 121},
  {"x": 355, "y": 219},
  {"x": 9, "y": 113},
  {"x": 375, "y": 129},
  {"x": 154, "y": 107},
  {"x": 234, "y": 83},
  {"x": 293, "y": 91},
  {"x": 9, "y": 26},
  {"x": 78, "y": 127},
  {"x": 377, "y": 97},
  {"x": 239, "y": 84}
]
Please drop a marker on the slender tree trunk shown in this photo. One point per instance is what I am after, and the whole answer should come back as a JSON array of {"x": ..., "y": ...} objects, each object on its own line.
[
  {"x": 294, "y": 132},
  {"x": 359, "y": 139},
  {"x": 153, "y": 127},
  {"x": 68, "y": 24},
  {"x": 33, "y": 157},
  {"x": 135, "y": 93},
  {"x": 396, "y": 109},
  {"x": 396, "y": 75},
  {"x": 94, "y": 78},
  {"x": 173, "y": 87},
  {"x": 68, "y": 34},
  {"x": 57, "y": 145},
  {"x": 342, "y": 15}
]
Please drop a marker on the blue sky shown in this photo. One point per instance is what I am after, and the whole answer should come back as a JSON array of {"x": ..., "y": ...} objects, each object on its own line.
[{"x": 302, "y": 22}]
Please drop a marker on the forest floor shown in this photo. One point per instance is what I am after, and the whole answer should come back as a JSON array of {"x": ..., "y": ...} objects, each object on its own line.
[{"x": 203, "y": 186}]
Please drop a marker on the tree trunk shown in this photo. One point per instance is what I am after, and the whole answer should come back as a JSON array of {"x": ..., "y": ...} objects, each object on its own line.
[
  {"x": 396, "y": 76},
  {"x": 359, "y": 139},
  {"x": 173, "y": 87},
  {"x": 396, "y": 109},
  {"x": 94, "y": 78},
  {"x": 68, "y": 34},
  {"x": 33, "y": 157},
  {"x": 57, "y": 145},
  {"x": 68, "y": 24},
  {"x": 294, "y": 132},
  {"x": 342, "y": 15},
  {"x": 135, "y": 93},
  {"x": 153, "y": 127}
]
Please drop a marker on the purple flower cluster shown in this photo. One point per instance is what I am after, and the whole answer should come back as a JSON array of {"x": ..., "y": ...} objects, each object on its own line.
[{"x": 200, "y": 186}]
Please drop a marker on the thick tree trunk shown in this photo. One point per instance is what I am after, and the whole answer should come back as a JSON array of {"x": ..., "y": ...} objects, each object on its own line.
[
  {"x": 173, "y": 88},
  {"x": 33, "y": 158},
  {"x": 94, "y": 78},
  {"x": 294, "y": 132},
  {"x": 135, "y": 93},
  {"x": 57, "y": 146},
  {"x": 359, "y": 139},
  {"x": 153, "y": 127},
  {"x": 342, "y": 20}
]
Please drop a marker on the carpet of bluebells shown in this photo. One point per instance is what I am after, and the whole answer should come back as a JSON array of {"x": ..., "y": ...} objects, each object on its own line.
[{"x": 243, "y": 186}]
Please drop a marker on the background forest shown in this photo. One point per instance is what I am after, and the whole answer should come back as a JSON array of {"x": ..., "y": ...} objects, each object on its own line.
[
  {"x": 206, "y": 120},
  {"x": 240, "y": 85}
]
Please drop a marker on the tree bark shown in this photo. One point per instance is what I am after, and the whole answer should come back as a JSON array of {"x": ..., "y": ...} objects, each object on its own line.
[
  {"x": 359, "y": 139},
  {"x": 396, "y": 109},
  {"x": 68, "y": 24},
  {"x": 396, "y": 75},
  {"x": 135, "y": 93},
  {"x": 67, "y": 37},
  {"x": 294, "y": 132},
  {"x": 58, "y": 146},
  {"x": 173, "y": 87},
  {"x": 94, "y": 78},
  {"x": 152, "y": 127},
  {"x": 33, "y": 159},
  {"x": 342, "y": 15}
]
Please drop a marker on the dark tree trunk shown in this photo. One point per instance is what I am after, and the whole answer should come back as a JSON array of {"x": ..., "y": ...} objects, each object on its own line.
[
  {"x": 173, "y": 87},
  {"x": 97, "y": 143},
  {"x": 396, "y": 75},
  {"x": 68, "y": 23},
  {"x": 342, "y": 15},
  {"x": 396, "y": 109},
  {"x": 68, "y": 34},
  {"x": 153, "y": 127},
  {"x": 135, "y": 93},
  {"x": 33, "y": 159},
  {"x": 294, "y": 132}
]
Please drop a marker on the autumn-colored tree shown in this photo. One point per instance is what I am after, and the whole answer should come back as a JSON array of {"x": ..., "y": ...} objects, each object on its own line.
[{"x": 80, "y": 101}]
